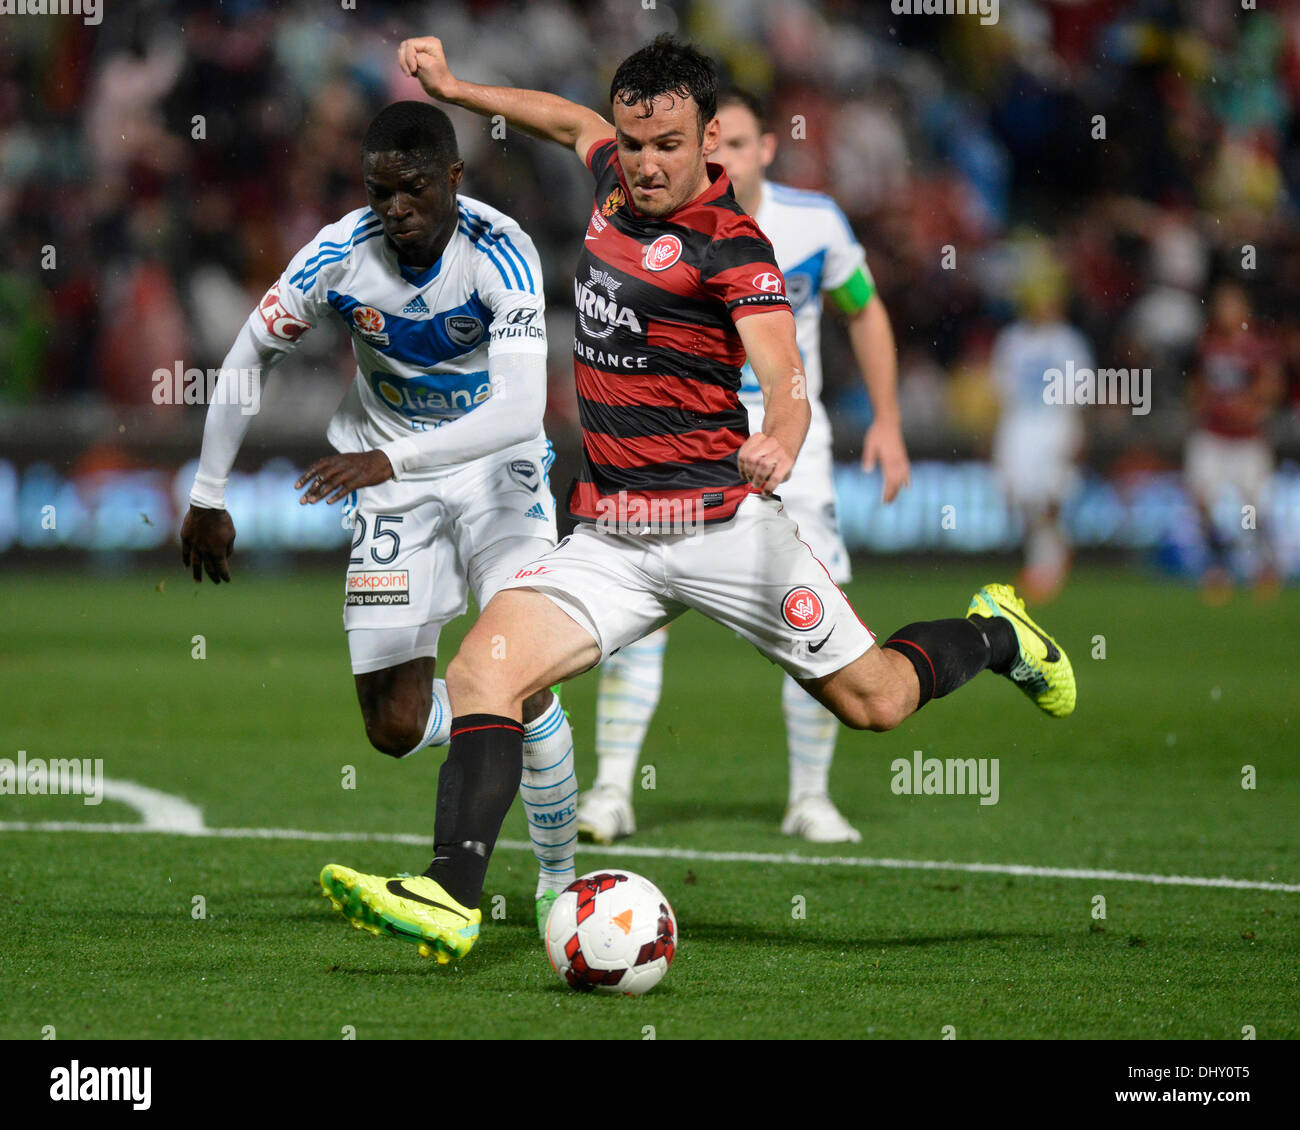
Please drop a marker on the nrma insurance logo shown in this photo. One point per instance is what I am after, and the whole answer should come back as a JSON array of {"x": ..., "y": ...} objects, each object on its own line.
[{"x": 440, "y": 395}]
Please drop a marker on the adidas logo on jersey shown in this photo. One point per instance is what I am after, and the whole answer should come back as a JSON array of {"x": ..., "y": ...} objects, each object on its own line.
[
  {"x": 417, "y": 305},
  {"x": 535, "y": 511}
]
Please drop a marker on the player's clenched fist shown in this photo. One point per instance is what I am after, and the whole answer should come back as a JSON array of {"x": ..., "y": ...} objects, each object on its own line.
[
  {"x": 764, "y": 462},
  {"x": 423, "y": 59}
]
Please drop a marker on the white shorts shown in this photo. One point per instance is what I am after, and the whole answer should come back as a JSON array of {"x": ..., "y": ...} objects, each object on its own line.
[
  {"x": 1035, "y": 453},
  {"x": 809, "y": 497},
  {"x": 419, "y": 548},
  {"x": 809, "y": 492},
  {"x": 751, "y": 574},
  {"x": 1215, "y": 463}
]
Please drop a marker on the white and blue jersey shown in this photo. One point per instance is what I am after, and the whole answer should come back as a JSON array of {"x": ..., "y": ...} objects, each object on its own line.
[
  {"x": 422, "y": 337},
  {"x": 816, "y": 251},
  {"x": 1022, "y": 355}
]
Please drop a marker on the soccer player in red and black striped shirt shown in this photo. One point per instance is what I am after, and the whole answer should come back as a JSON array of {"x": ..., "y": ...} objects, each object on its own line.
[
  {"x": 675, "y": 288},
  {"x": 659, "y": 298}
]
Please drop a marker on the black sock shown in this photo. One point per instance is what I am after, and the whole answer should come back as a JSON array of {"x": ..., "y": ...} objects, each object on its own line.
[
  {"x": 948, "y": 653},
  {"x": 476, "y": 786}
]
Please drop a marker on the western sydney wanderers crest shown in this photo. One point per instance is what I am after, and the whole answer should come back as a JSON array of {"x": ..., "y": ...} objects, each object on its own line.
[
  {"x": 369, "y": 324},
  {"x": 802, "y": 609},
  {"x": 663, "y": 253},
  {"x": 613, "y": 202}
]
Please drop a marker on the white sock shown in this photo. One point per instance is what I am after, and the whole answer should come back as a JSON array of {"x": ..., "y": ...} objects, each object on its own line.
[
  {"x": 549, "y": 790},
  {"x": 437, "y": 730},
  {"x": 630, "y": 681},
  {"x": 810, "y": 731}
]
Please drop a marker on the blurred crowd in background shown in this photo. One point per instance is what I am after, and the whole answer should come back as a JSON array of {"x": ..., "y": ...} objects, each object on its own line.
[{"x": 176, "y": 155}]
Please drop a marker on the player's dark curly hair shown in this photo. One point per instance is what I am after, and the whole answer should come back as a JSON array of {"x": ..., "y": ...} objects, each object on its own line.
[
  {"x": 417, "y": 128},
  {"x": 667, "y": 66}
]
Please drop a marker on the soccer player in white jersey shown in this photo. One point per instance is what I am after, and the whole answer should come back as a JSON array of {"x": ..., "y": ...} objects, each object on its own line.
[
  {"x": 443, "y": 460},
  {"x": 818, "y": 254},
  {"x": 1036, "y": 448}
]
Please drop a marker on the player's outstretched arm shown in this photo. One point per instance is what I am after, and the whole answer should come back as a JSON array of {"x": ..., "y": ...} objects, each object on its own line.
[
  {"x": 767, "y": 457},
  {"x": 872, "y": 338},
  {"x": 543, "y": 115}
]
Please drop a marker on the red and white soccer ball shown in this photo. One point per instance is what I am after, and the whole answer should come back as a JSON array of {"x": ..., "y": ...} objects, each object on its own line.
[{"x": 611, "y": 931}]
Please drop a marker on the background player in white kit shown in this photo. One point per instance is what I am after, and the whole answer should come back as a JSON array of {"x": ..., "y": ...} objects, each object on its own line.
[
  {"x": 817, "y": 253},
  {"x": 444, "y": 457},
  {"x": 1036, "y": 448}
]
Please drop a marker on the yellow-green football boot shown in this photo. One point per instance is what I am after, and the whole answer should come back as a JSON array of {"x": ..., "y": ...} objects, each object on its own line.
[
  {"x": 1042, "y": 669},
  {"x": 414, "y": 908},
  {"x": 542, "y": 906}
]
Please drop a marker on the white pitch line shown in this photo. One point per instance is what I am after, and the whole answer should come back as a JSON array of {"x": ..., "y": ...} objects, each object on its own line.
[
  {"x": 689, "y": 854},
  {"x": 160, "y": 811}
]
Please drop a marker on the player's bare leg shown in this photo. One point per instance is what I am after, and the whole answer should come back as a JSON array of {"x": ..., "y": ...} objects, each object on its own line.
[
  {"x": 521, "y": 644},
  {"x": 395, "y": 704},
  {"x": 875, "y": 692}
]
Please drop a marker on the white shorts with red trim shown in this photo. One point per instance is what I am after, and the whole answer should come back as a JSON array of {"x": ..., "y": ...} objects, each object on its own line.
[
  {"x": 751, "y": 574},
  {"x": 419, "y": 548}
]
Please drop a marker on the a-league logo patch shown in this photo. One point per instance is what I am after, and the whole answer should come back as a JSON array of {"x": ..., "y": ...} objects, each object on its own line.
[
  {"x": 767, "y": 282},
  {"x": 369, "y": 324},
  {"x": 525, "y": 473},
  {"x": 802, "y": 609},
  {"x": 663, "y": 253}
]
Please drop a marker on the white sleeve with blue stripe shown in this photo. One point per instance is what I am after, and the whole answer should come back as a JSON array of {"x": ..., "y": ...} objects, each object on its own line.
[
  {"x": 299, "y": 299},
  {"x": 844, "y": 254},
  {"x": 289, "y": 309},
  {"x": 508, "y": 279}
]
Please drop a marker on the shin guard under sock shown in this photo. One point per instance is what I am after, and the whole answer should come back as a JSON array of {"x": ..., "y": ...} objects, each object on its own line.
[
  {"x": 476, "y": 786},
  {"x": 948, "y": 653}
]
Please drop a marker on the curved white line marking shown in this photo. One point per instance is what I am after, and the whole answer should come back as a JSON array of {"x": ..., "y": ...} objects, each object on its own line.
[{"x": 159, "y": 811}]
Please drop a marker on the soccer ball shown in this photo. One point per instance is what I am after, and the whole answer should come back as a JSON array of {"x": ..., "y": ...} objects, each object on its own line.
[{"x": 611, "y": 931}]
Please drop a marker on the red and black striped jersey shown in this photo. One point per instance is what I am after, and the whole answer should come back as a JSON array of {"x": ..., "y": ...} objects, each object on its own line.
[{"x": 656, "y": 354}]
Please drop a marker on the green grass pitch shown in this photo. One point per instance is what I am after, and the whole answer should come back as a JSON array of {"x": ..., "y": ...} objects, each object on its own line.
[{"x": 101, "y": 940}]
